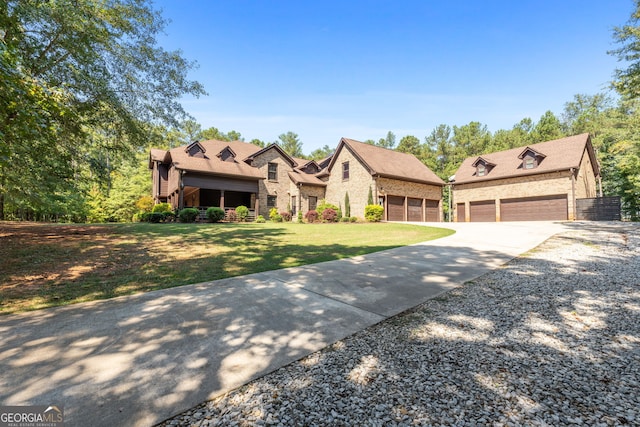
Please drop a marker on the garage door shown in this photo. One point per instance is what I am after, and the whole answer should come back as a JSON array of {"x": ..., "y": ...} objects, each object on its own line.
[
  {"x": 483, "y": 211},
  {"x": 460, "y": 212},
  {"x": 545, "y": 208},
  {"x": 395, "y": 206},
  {"x": 433, "y": 210},
  {"x": 414, "y": 208}
]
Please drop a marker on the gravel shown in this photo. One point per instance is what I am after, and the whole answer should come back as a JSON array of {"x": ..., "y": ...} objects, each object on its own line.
[{"x": 550, "y": 339}]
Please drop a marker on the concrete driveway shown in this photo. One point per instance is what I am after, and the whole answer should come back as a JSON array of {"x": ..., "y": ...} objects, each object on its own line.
[{"x": 137, "y": 360}]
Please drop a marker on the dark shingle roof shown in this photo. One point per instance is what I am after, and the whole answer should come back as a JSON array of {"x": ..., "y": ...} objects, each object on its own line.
[{"x": 556, "y": 155}]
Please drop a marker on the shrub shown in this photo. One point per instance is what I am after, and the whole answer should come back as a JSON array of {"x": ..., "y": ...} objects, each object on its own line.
[
  {"x": 272, "y": 213},
  {"x": 215, "y": 214},
  {"x": 136, "y": 217},
  {"x": 353, "y": 219},
  {"x": 373, "y": 213},
  {"x": 261, "y": 219},
  {"x": 242, "y": 212},
  {"x": 300, "y": 216},
  {"x": 156, "y": 217},
  {"x": 162, "y": 207},
  {"x": 286, "y": 216},
  {"x": 168, "y": 216},
  {"x": 344, "y": 219},
  {"x": 277, "y": 218},
  {"x": 188, "y": 214},
  {"x": 347, "y": 204},
  {"x": 145, "y": 203},
  {"x": 324, "y": 205},
  {"x": 144, "y": 216},
  {"x": 232, "y": 215},
  {"x": 311, "y": 216},
  {"x": 329, "y": 215}
]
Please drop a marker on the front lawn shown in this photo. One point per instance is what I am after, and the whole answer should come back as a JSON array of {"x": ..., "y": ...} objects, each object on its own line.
[{"x": 45, "y": 265}]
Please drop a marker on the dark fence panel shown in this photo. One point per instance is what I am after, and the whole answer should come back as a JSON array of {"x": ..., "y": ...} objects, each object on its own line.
[{"x": 598, "y": 209}]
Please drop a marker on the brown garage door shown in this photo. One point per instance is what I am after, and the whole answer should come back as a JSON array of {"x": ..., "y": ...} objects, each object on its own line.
[
  {"x": 460, "y": 213},
  {"x": 433, "y": 210},
  {"x": 483, "y": 211},
  {"x": 414, "y": 209},
  {"x": 545, "y": 208},
  {"x": 395, "y": 205}
]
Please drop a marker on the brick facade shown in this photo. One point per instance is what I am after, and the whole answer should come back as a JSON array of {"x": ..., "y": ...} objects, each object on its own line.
[
  {"x": 358, "y": 183},
  {"x": 278, "y": 187}
]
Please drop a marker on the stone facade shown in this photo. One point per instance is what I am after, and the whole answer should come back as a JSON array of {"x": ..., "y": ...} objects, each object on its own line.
[
  {"x": 278, "y": 187},
  {"x": 357, "y": 185}
]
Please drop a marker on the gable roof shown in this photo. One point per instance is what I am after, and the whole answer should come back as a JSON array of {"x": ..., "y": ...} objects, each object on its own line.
[
  {"x": 272, "y": 146},
  {"x": 181, "y": 159},
  {"x": 558, "y": 155},
  {"x": 387, "y": 163}
]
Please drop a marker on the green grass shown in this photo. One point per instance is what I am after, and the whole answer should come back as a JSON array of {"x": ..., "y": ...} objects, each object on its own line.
[{"x": 47, "y": 265}]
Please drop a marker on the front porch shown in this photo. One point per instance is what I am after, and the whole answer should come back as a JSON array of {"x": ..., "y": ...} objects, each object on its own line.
[{"x": 203, "y": 198}]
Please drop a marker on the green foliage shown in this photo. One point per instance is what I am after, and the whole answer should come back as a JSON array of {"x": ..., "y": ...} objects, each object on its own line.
[
  {"x": 215, "y": 214},
  {"x": 145, "y": 204},
  {"x": 273, "y": 212},
  {"x": 260, "y": 219},
  {"x": 321, "y": 153},
  {"x": 347, "y": 204},
  {"x": 373, "y": 213},
  {"x": 353, "y": 219},
  {"x": 188, "y": 215},
  {"x": 370, "y": 197},
  {"x": 70, "y": 73},
  {"x": 277, "y": 218},
  {"x": 325, "y": 205},
  {"x": 300, "y": 216},
  {"x": 409, "y": 144},
  {"x": 162, "y": 207},
  {"x": 242, "y": 212},
  {"x": 156, "y": 217},
  {"x": 290, "y": 143}
]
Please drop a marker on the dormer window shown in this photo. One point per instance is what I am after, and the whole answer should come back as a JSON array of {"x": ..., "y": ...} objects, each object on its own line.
[
  {"x": 195, "y": 149},
  {"x": 531, "y": 158},
  {"x": 227, "y": 154},
  {"x": 483, "y": 166}
]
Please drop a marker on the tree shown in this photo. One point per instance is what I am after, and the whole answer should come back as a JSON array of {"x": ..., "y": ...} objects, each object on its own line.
[
  {"x": 214, "y": 133},
  {"x": 78, "y": 79},
  {"x": 321, "y": 153},
  {"x": 410, "y": 144},
  {"x": 584, "y": 113},
  {"x": 192, "y": 131},
  {"x": 347, "y": 205},
  {"x": 470, "y": 140},
  {"x": 548, "y": 128},
  {"x": 290, "y": 143},
  {"x": 259, "y": 143},
  {"x": 439, "y": 153},
  {"x": 627, "y": 80},
  {"x": 388, "y": 142}
]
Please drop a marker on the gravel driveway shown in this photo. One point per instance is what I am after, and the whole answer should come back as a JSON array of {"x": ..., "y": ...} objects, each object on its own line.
[{"x": 551, "y": 338}]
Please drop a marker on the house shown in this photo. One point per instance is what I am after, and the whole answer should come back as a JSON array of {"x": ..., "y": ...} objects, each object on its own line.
[
  {"x": 406, "y": 188},
  {"x": 537, "y": 182},
  {"x": 230, "y": 174}
]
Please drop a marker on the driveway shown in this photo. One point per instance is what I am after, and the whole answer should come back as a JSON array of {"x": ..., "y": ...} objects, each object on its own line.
[{"x": 138, "y": 360}]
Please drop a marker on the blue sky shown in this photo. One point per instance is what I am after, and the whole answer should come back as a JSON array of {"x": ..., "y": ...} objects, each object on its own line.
[{"x": 328, "y": 69}]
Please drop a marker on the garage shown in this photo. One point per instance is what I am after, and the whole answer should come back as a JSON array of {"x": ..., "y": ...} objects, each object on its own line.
[
  {"x": 543, "y": 208},
  {"x": 395, "y": 207},
  {"x": 461, "y": 217},
  {"x": 414, "y": 209},
  {"x": 482, "y": 211},
  {"x": 433, "y": 210}
]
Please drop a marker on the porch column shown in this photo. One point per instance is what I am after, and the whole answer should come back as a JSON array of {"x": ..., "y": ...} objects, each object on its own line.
[
  {"x": 257, "y": 207},
  {"x": 222, "y": 199}
]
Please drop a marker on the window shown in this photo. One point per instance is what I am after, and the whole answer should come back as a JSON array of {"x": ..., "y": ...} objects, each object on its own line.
[
  {"x": 273, "y": 172},
  {"x": 294, "y": 211},
  {"x": 313, "y": 203},
  {"x": 272, "y": 201},
  {"x": 529, "y": 163},
  {"x": 345, "y": 170},
  {"x": 482, "y": 170}
]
